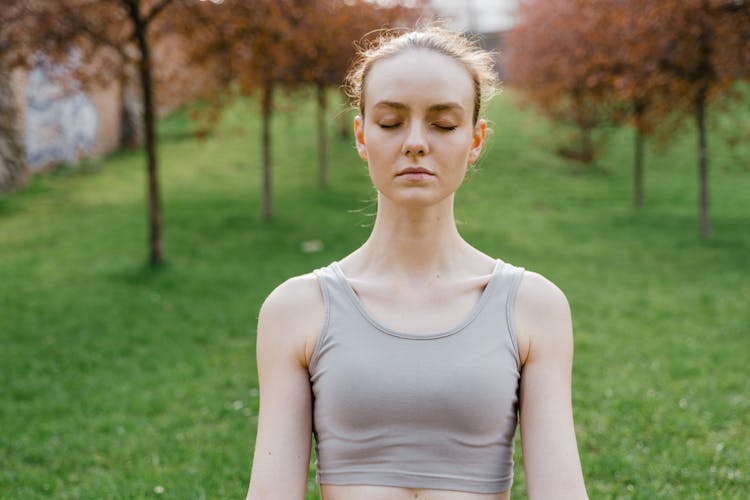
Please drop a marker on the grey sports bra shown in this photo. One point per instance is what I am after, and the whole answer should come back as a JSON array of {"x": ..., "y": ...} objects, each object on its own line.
[{"x": 422, "y": 411}]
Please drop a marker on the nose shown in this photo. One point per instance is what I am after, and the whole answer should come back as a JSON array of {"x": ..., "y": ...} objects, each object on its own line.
[{"x": 415, "y": 143}]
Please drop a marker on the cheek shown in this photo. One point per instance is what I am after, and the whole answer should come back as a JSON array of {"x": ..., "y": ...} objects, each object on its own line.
[
  {"x": 459, "y": 146},
  {"x": 379, "y": 146},
  {"x": 379, "y": 166}
]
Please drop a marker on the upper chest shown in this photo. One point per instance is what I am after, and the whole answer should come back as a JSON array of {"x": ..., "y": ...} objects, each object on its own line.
[{"x": 427, "y": 308}]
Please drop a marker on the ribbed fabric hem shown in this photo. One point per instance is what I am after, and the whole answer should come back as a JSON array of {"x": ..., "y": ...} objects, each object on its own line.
[{"x": 416, "y": 480}]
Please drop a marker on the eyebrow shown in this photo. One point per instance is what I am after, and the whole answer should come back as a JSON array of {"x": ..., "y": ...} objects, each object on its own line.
[{"x": 446, "y": 106}]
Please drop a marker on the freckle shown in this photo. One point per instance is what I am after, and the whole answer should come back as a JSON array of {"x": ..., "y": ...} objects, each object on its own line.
[{"x": 269, "y": 452}]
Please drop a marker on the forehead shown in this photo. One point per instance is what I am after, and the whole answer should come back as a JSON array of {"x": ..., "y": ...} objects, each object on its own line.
[{"x": 419, "y": 78}]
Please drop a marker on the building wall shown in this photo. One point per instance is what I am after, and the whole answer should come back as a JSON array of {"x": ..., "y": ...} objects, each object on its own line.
[{"x": 60, "y": 122}]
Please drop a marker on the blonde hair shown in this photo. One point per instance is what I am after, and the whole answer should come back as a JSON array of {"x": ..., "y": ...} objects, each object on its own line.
[{"x": 466, "y": 50}]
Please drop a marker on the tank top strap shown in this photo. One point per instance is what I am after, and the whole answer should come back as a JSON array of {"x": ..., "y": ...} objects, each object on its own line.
[
  {"x": 333, "y": 288},
  {"x": 499, "y": 307},
  {"x": 507, "y": 277},
  {"x": 336, "y": 305}
]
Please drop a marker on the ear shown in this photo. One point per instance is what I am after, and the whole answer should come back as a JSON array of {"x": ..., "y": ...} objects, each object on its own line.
[
  {"x": 480, "y": 133},
  {"x": 359, "y": 137}
]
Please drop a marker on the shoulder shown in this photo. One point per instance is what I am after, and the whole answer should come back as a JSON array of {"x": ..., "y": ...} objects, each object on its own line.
[
  {"x": 292, "y": 316},
  {"x": 541, "y": 315},
  {"x": 295, "y": 294},
  {"x": 537, "y": 294}
]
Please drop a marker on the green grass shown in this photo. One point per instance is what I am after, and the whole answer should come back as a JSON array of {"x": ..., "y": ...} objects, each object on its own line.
[{"x": 117, "y": 380}]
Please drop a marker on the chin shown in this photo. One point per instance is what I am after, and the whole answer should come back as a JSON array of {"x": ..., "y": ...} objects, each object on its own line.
[{"x": 415, "y": 198}]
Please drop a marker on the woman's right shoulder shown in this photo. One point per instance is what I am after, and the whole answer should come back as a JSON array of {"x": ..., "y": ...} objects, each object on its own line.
[
  {"x": 298, "y": 294},
  {"x": 294, "y": 312}
]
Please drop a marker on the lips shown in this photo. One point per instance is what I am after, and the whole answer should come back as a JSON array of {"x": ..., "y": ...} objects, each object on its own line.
[{"x": 415, "y": 170}]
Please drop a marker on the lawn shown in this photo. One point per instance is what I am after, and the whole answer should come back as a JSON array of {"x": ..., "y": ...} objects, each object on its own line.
[{"x": 122, "y": 382}]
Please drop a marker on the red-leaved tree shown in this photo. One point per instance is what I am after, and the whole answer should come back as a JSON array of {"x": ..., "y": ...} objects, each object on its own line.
[
  {"x": 110, "y": 35},
  {"x": 650, "y": 62}
]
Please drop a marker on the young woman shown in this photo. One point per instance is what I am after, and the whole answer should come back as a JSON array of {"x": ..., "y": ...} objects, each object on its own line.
[{"x": 413, "y": 358}]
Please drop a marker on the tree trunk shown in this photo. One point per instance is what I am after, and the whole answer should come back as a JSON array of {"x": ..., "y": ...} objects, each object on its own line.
[
  {"x": 586, "y": 121},
  {"x": 266, "y": 105},
  {"x": 154, "y": 213},
  {"x": 587, "y": 145},
  {"x": 639, "y": 109},
  {"x": 131, "y": 113},
  {"x": 638, "y": 170},
  {"x": 700, "y": 118},
  {"x": 13, "y": 169},
  {"x": 322, "y": 137}
]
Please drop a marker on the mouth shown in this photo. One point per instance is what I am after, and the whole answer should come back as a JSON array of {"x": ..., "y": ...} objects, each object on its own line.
[{"x": 414, "y": 170}]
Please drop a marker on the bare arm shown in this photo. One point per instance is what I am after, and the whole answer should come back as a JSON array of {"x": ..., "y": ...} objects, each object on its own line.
[
  {"x": 286, "y": 322},
  {"x": 550, "y": 454}
]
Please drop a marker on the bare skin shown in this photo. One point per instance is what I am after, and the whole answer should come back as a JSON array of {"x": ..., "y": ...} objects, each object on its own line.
[
  {"x": 330, "y": 492},
  {"x": 415, "y": 274}
]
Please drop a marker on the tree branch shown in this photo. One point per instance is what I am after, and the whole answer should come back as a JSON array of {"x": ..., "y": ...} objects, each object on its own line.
[
  {"x": 76, "y": 20},
  {"x": 155, "y": 11}
]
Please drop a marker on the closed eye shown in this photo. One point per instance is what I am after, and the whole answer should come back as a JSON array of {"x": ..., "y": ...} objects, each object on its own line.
[
  {"x": 389, "y": 125},
  {"x": 445, "y": 128}
]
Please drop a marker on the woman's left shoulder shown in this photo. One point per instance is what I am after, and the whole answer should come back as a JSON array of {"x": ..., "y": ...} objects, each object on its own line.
[
  {"x": 541, "y": 314},
  {"x": 538, "y": 293}
]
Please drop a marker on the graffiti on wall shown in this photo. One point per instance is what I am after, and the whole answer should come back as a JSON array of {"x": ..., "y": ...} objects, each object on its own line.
[{"x": 61, "y": 121}]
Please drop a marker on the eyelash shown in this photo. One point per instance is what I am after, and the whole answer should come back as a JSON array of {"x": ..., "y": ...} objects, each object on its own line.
[{"x": 439, "y": 127}]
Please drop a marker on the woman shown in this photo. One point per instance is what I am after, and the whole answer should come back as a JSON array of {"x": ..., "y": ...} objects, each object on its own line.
[{"x": 412, "y": 358}]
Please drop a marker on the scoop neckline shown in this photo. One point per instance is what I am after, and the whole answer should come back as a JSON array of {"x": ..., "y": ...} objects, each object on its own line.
[{"x": 419, "y": 336}]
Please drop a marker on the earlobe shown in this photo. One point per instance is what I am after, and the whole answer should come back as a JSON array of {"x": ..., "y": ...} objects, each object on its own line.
[{"x": 359, "y": 137}]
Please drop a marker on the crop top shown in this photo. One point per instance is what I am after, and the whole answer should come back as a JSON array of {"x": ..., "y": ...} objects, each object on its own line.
[{"x": 434, "y": 411}]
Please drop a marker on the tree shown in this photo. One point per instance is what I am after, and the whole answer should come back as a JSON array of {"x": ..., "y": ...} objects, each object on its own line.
[
  {"x": 706, "y": 51},
  {"x": 110, "y": 34},
  {"x": 643, "y": 96},
  {"x": 649, "y": 62},
  {"x": 252, "y": 38},
  {"x": 13, "y": 26},
  {"x": 550, "y": 58}
]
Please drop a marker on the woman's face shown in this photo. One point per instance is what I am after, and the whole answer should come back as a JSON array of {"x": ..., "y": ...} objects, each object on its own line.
[{"x": 417, "y": 133}]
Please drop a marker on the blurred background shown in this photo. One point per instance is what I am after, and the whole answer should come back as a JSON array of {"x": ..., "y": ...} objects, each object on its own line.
[{"x": 164, "y": 164}]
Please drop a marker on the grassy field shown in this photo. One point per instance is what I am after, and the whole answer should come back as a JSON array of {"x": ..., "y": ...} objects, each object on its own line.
[{"x": 121, "y": 382}]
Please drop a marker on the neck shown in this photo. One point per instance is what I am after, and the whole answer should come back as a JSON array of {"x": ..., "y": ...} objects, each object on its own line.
[{"x": 414, "y": 241}]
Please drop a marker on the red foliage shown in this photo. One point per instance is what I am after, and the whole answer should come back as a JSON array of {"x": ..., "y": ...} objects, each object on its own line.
[
  {"x": 610, "y": 54},
  {"x": 282, "y": 42},
  {"x": 648, "y": 61}
]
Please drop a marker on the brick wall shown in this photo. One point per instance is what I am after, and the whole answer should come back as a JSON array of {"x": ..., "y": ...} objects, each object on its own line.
[{"x": 61, "y": 123}]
